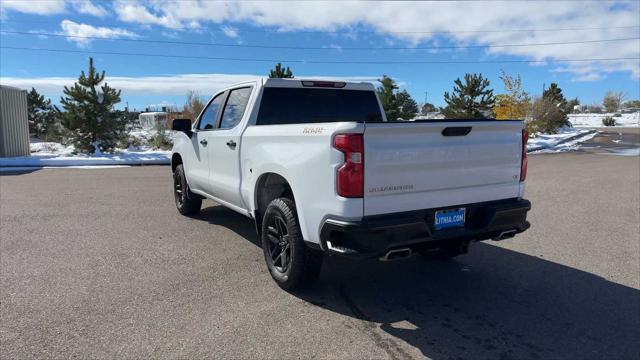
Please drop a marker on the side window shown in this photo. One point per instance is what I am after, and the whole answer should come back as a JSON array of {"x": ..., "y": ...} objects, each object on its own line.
[
  {"x": 208, "y": 118},
  {"x": 234, "y": 110}
]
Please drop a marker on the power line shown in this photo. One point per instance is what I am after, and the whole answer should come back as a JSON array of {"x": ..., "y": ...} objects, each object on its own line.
[
  {"x": 303, "y": 61},
  {"x": 289, "y": 47},
  {"x": 410, "y": 1},
  {"x": 348, "y": 30}
]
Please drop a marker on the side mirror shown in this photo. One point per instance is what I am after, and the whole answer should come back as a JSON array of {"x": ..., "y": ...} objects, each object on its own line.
[{"x": 182, "y": 125}]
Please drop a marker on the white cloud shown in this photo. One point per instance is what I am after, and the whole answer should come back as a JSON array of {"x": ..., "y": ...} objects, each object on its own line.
[
  {"x": 52, "y": 7},
  {"x": 174, "y": 85},
  {"x": 458, "y": 20},
  {"x": 71, "y": 29},
  {"x": 89, "y": 8},
  {"x": 39, "y": 7},
  {"x": 138, "y": 13},
  {"x": 230, "y": 31}
]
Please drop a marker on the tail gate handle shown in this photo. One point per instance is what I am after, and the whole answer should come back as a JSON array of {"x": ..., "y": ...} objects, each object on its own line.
[{"x": 456, "y": 131}]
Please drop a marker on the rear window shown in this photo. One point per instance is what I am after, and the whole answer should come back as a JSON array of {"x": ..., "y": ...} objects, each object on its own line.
[{"x": 306, "y": 106}]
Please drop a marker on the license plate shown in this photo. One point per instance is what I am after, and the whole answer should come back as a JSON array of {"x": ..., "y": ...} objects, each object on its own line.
[{"x": 449, "y": 218}]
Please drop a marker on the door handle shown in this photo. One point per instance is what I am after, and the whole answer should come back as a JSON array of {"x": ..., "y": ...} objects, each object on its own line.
[
  {"x": 231, "y": 144},
  {"x": 204, "y": 142}
]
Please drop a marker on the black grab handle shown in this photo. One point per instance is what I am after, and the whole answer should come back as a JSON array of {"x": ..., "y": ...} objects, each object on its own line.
[{"x": 456, "y": 131}]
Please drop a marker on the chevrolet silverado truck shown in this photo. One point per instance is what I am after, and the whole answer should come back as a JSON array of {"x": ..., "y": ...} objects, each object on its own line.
[{"x": 321, "y": 171}]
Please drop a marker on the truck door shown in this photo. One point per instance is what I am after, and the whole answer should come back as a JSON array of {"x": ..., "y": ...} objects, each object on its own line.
[
  {"x": 224, "y": 148},
  {"x": 201, "y": 139}
]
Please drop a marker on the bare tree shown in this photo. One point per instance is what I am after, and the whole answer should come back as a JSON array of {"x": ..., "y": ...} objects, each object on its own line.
[
  {"x": 613, "y": 101},
  {"x": 193, "y": 106}
]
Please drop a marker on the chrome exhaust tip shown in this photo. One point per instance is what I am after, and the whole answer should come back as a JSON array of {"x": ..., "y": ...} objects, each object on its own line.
[
  {"x": 396, "y": 254},
  {"x": 505, "y": 235}
]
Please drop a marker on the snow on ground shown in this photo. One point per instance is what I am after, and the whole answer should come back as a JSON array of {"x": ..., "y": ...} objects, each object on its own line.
[
  {"x": 566, "y": 139},
  {"x": 52, "y": 154},
  {"x": 595, "y": 120},
  {"x": 6, "y": 169},
  {"x": 42, "y": 147},
  {"x": 144, "y": 135},
  {"x": 120, "y": 157}
]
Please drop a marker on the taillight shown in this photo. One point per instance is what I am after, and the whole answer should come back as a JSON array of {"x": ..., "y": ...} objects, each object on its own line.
[
  {"x": 350, "y": 176},
  {"x": 523, "y": 165}
]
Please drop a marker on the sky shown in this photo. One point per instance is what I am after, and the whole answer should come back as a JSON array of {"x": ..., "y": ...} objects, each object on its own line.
[{"x": 156, "y": 51}]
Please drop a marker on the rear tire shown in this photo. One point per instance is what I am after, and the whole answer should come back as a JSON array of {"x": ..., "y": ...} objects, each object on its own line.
[
  {"x": 291, "y": 263},
  {"x": 187, "y": 202}
]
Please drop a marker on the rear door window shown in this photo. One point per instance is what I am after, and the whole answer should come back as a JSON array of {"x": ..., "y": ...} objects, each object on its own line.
[
  {"x": 235, "y": 107},
  {"x": 305, "y": 106}
]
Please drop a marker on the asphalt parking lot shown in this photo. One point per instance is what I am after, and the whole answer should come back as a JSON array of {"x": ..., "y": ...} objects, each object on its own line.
[
  {"x": 614, "y": 141},
  {"x": 98, "y": 263}
]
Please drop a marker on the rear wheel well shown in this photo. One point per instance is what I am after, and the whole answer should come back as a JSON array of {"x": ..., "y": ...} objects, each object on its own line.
[
  {"x": 176, "y": 160},
  {"x": 270, "y": 186}
]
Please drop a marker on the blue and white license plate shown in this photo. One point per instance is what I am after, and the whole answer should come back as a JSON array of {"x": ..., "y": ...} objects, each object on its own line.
[{"x": 449, "y": 218}]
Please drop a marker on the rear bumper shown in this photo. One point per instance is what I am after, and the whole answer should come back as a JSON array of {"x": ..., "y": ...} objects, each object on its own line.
[{"x": 374, "y": 236}]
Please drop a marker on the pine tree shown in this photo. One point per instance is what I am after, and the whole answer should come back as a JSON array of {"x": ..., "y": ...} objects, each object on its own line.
[
  {"x": 549, "y": 112},
  {"x": 407, "y": 107},
  {"x": 43, "y": 117},
  {"x": 387, "y": 95},
  {"x": 545, "y": 116},
  {"x": 280, "y": 72},
  {"x": 473, "y": 99},
  {"x": 89, "y": 112},
  {"x": 396, "y": 105},
  {"x": 554, "y": 94},
  {"x": 555, "y": 120}
]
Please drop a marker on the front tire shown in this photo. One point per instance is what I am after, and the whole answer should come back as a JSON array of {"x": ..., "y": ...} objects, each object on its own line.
[
  {"x": 187, "y": 202},
  {"x": 292, "y": 264}
]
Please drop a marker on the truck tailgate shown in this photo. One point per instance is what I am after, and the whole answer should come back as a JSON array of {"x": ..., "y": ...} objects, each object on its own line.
[{"x": 413, "y": 165}]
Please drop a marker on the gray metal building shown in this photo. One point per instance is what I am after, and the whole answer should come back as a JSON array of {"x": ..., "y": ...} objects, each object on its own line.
[{"x": 14, "y": 122}]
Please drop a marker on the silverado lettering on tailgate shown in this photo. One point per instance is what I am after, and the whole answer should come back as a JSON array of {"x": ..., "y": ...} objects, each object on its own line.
[{"x": 391, "y": 188}]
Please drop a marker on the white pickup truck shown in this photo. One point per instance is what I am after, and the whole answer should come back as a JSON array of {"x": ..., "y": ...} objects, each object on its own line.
[{"x": 320, "y": 170}]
